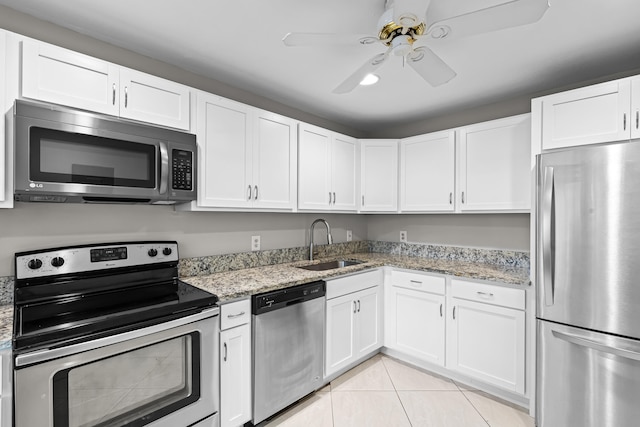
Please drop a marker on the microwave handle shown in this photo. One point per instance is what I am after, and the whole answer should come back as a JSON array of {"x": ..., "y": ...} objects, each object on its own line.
[{"x": 164, "y": 167}]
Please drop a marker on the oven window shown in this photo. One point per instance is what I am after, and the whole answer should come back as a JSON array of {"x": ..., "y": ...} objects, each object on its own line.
[
  {"x": 66, "y": 157},
  {"x": 133, "y": 388}
]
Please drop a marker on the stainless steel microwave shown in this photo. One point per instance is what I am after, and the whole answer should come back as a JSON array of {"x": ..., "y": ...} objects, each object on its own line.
[{"x": 66, "y": 155}]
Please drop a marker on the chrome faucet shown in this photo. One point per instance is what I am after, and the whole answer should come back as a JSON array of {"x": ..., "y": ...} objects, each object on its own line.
[{"x": 329, "y": 238}]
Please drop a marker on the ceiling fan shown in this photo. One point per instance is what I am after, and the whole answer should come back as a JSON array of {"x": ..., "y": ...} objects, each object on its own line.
[{"x": 407, "y": 26}]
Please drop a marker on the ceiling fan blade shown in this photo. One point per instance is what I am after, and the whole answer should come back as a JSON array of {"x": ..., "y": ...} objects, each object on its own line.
[
  {"x": 354, "y": 79},
  {"x": 326, "y": 39},
  {"x": 409, "y": 13},
  {"x": 506, "y": 15},
  {"x": 430, "y": 66}
]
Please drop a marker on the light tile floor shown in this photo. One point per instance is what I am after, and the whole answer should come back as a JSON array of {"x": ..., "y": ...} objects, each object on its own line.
[{"x": 387, "y": 393}]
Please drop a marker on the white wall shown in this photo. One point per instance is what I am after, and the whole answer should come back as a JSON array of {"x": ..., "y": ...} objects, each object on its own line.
[
  {"x": 492, "y": 231},
  {"x": 31, "y": 226}
]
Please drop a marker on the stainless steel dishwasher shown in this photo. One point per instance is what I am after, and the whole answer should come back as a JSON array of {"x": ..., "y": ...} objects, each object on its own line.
[{"x": 288, "y": 346}]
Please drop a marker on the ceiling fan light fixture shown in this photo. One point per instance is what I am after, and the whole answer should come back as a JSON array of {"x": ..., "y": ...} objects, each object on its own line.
[
  {"x": 369, "y": 79},
  {"x": 440, "y": 32}
]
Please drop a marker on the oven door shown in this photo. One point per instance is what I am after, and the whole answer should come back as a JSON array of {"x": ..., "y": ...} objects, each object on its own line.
[{"x": 161, "y": 376}]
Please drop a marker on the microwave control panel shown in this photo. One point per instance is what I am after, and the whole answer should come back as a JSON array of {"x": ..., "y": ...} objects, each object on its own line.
[{"x": 182, "y": 170}]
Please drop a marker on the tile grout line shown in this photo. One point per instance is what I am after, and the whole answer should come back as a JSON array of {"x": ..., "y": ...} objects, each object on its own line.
[
  {"x": 396, "y": 390},
  {"x": 474, "y": 406}
]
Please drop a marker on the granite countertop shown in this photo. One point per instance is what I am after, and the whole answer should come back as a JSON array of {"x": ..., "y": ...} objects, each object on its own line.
[{"x": 232, "y": 285}]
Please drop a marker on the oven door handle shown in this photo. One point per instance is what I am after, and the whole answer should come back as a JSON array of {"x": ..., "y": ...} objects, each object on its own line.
[{"x": 54, "y": 353}]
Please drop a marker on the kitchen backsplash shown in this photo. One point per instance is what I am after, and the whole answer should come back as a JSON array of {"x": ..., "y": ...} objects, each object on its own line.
[{"x": 200, "y": 266}]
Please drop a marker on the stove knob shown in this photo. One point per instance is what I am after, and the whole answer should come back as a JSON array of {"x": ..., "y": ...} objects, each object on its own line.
[
  {"x": 34, "y": 264},
  {"x": 166, "y": 251},
  {"x": 57, "y": 261},
  {"x": 152, "y": 252}
]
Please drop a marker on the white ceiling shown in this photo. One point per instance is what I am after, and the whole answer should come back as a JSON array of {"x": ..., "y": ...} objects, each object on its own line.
[{"x": 238, "y": 42}]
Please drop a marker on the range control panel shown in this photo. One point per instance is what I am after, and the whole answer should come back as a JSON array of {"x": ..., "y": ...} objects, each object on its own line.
[{"x": 67, "y": 260}]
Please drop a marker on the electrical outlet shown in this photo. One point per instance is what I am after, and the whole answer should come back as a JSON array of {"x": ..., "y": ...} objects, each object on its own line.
[
  {"x": 403, "y": 236},
  {"x": 349, "y": 236},
  {"x": 255, "y": 243}
]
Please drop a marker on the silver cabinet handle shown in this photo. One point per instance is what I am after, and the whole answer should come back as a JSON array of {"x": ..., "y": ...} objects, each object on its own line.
[
  {"x": 363, "y": 200},
  {"x": 233, "y": 316},
  {"x": 249, "y": 192},
  {"x": 334, "y": 198},
  {"x": 454, "y": 312},
  {"x": 126, "y": 96},
  {"x": 463, "y": 197},
  {"x": 637, "y": 119},
  {"x": 113, "y": 101},
  {"x": 624, "y": 122},
  {"x": 225, "y": 352},
  {"x": 450, "y": 198},
  {"x": 547, "y": 264},
  {"x": 440, "y": 310},
  {"x": 255, "y": 197},
  {"x": 329, "y": 197},
  {"x": 485, "y": 294},
  {"x": 355, "y": 307},
  {"x": 595, "y": 345},
  {"x": 358, "y": 306}
]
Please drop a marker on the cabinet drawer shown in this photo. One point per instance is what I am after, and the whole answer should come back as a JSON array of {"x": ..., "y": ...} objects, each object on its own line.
[
  {"x": 480, "y": 292},
  {"x": 418, "y": 282},
  {"x": 346, "y": 285},
  {"x": 235, "y": 314}
]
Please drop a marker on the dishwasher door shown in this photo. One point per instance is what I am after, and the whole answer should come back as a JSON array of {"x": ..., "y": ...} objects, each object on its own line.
[{"x": 288, "y": 350}]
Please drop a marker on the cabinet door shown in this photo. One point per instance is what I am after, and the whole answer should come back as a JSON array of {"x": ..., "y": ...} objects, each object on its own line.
[
  {"x": 427, "y": 172},
  {"x": 344, "y": 160},
  {"x": 590, "y": 115},
  {"x": 495, "y": 165},
  {"x": 487, "y": 342},
  {"x": 152, "y": 99},
  {"x": 235, "y": 376},
  {"x": 274, "y": 161},
  {"x": 418, "y": 324},
  {"x": 61, "y": 76},
  {"x": 635, "y": 107},
  {"x": 224, "y": 141},
  {"x": 314, "y": 168},
  {"x": 379, "y": 175},
  {"x": 368, "y": 336},
  {"x": 3, "y": 164},
  {"x": 340, "y": 330}
]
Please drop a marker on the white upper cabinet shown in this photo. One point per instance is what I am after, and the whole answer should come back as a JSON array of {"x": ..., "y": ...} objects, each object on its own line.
[
  {"x": 427, "y": 172},
  {"x": 589, "y": 115},
  {"x": 61, "y": 76},
  {"x": 635, "y": 107},
  {"x": 4, "y": 172},
  {"x": 327, "y": 168},
  {"x": 495, "y": 169},
  {"x": 247, "y": 156},
  {"x": 152, "y": 99},
  {"x": 379, "y": 175}
]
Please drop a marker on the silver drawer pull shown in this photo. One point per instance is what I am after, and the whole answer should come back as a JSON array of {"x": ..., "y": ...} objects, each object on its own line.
[
  {"x": 415, "y": 283},
  {"x": 233, "y": 316},
  {"x": 485, "y": 294}
]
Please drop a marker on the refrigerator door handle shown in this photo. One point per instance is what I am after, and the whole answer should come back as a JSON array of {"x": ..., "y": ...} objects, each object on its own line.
[
  {"x": 548, "y": 231},
  {"x": 596, "y": 345}
]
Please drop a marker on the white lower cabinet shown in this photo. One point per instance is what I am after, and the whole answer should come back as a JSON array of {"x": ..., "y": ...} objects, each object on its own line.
[
  {"x": 6, "y": 388},
  {"x": 354, "y": 319},
  {"x": 486, "y": 336},
  {"x": 235, "y": 363},
  {"x": 415, "y": 308}
]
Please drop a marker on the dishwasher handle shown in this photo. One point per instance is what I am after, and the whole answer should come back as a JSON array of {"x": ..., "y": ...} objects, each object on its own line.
[{"x": 282, "y": 298}]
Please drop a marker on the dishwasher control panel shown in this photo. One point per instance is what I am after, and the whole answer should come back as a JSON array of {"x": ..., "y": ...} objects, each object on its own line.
[{"x": 281, "y": 298}]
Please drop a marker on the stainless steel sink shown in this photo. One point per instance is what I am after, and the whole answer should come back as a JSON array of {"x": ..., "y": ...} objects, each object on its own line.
[{"x": 330, "y": 265}]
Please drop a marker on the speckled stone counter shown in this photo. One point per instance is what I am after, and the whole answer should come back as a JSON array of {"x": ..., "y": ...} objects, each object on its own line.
[
  {"x": 236, "y": 284},
  {"x": 6, "y": 325}
]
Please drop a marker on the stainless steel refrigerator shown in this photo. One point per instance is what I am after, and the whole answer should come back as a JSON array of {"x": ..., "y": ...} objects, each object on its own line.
[{"x": 588, "y": 288}]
